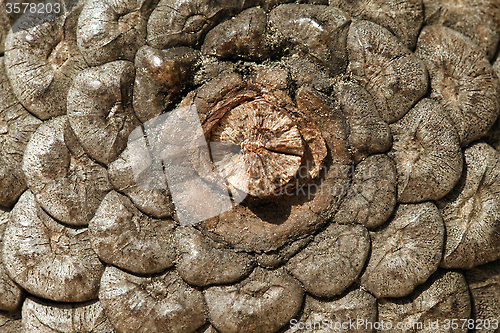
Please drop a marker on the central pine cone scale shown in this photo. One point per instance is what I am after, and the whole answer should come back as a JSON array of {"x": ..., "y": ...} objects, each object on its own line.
[{"x": 271, "y": 148}]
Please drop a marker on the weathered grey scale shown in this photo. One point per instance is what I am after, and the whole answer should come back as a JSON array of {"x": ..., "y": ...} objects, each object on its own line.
[
  {"x": 423, "y": 141},
  {"x": 465, "y": 84},
  {"x": 67, "y": 183},
  {"x": 34, "y": 241},
  {"x": 444, "y": 295},
  {"x": 470, "y": 211},
  {"x": 125, "y": 237},
  {"x": 41, "y": 61},
  {"x": 16, "y": 128}
]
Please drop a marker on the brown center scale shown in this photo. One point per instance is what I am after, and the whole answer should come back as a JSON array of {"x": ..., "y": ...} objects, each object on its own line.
[{"x": 286, "y": 158}]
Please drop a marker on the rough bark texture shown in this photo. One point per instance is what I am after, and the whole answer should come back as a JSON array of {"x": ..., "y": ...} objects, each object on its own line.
[
  {"x": 401, "y": 18},
  {"x": 162, "y": 303},
  {"x": 394, "y": 76},
  {"x": 4, "y": 25},
  {"x": 332, "y": 261},
  {"x": 103, "y": 125},
  {"x": 325, "y": 315},
  {"x": 242, "y": 37},
  {"x": 154, "y": 199},
  {"x": 405, "y": 252},
  {"x": 174, "y": 23},
  {"x": 48, "y": 259},
  {"x": 484, "y": 290},
  {"x": 66, "y": 182},
  {"x": 41, "y": 316},
  {"x": 444, "y": 296},
  {"x": 372, "y": 195},
  {"x": 470, "y": 211},
  {"x": 16, "y": 128},
  {"x": 123, "y": 236},
  {"x": 42, "y": 59},
  {"x": 111, "y": 30},
  {"x": 427, "y": 153},
  {"x": 319, "y": 31},
  {"x": 476, "y": 19},
  {"x": 203, "y": 262},
  {"x": 211, "y": 166},
  {"x": 368, "y": 133},
  {"x": 160, "y": 77},
  {"x": 12, "y": 293},
  {"x": 255, "y": 304},
  {"x": 461, "y": 79},
  {"x": 10, "y": 322}
]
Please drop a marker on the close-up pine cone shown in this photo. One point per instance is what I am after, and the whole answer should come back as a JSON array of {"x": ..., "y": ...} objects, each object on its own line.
[{"x": 204, "y": 166}]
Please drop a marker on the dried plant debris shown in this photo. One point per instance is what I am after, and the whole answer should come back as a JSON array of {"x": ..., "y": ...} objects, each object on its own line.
[
  {"x": 445, "y": 296},
  {"x": 162, "y": 303},
  {"x": 462, "y": 80},
  {"x": 16, "y": 128},
  {"x": 241, "y": 37},
  {"x": 123, "y": 236},
  {"x": 328, "y": 315},
  {"x": 471, "y": 212},
  {"x": 66, "y": 182},
  {"x": 42, "y": 60},
  {"x": 372, "y": 195},
  {"x": 111, "y": 30},
  {"x": 427, "y": 153},
  {"x": 10, "y": 322},
  {"x": 368, "y": 133},
  {"x": 333, "y": 261},
  {"x": 160, "y": 77},
  {"x": 477, "y": 19},
  {"x": 12, "y": 294},
  {"x": 485, "y": 294},
  {"x": 394, "y": 76},
  {"x": 405, "y": 252},
  {"x": 41, "y": 316},
  {"x": 402, "y": 18},
  {"x": 48, "y": 259},
  {"x": 210, "y": 68},
  {"x": 100, "y": 109},
  {"x": 307, "y": 72},
  {"x": 154, "y": 199},
  {"x": 202, "y": 262},
  {"x": 256, "y": 304},
  {"x": 319, "y": 31},
  {"x": 185, "y": 23}
]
